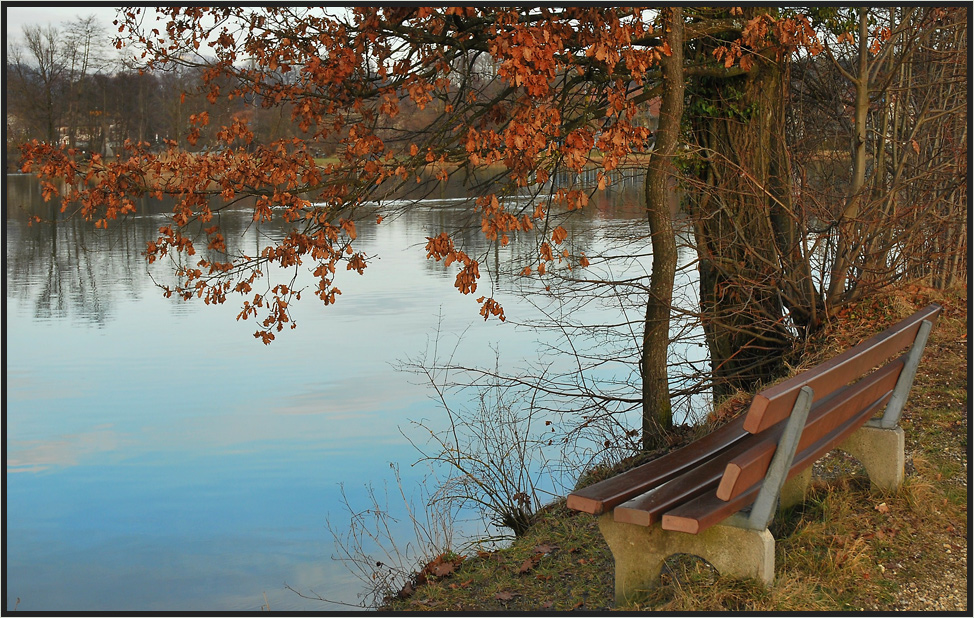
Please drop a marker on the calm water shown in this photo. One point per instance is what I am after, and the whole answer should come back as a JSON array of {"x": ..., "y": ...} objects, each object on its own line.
[{"x": 161, "y": 458}]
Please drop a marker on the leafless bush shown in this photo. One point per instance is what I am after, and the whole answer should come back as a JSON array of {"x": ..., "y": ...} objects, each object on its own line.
[
  {"x": 493, "y": 453},
  {"x": 374, "y": 544}
]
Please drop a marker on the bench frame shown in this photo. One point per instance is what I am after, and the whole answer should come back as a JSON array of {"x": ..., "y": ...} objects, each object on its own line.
[{"x": 741, "y": 545}]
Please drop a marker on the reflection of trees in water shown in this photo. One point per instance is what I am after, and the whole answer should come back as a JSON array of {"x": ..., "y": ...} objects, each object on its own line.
[{"x": 64, "y": 268}]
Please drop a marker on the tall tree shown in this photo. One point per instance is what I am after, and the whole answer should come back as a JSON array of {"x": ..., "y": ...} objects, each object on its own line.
[
  {"x": 567, "y": 91},
  {"x": 756, "y": 291},
  {"x": 81, "y": 52},
  {"x": 38, "y": 66},
  {"x": 561, "y": 90},
  {"x": 660, "y": 174}
]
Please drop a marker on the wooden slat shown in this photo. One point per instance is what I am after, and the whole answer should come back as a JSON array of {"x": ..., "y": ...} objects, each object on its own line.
[
  {"x": 701, "y": 513},
  {"x": 647, "y": 508},
  {"x": 772, "y": 405},
  {"x": 826, "y": 414},
  {"x": 604, "y": 495}
]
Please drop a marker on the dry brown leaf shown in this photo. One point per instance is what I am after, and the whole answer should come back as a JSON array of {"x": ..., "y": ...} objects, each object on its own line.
[
  {"x": 444, "y": 569},
  {"x": 529, "y": 564}
]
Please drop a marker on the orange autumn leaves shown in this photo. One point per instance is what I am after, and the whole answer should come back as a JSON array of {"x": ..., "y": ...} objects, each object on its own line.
[
  {"x": 565, "y": 100},
  {"x": 497, "y": 222},
  {"x": 105, "y": 190},
  {"x": 783, "y": 35},
  {"x": 342, "y": 81},
  {"x": 442, "y": 248}
]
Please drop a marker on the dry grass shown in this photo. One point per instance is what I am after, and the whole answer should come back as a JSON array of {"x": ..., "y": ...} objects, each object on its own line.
[{"x": 560, "y": 564}]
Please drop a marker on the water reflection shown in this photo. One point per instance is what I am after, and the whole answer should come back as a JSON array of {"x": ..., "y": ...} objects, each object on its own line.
[{"x": 61, "y": 266}]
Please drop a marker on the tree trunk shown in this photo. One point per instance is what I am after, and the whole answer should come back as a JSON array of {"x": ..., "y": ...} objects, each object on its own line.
[
  {"x": 753, "y": 271},
  {"x": 844, "y": 252},
  {"x": 657, "y": 410}
]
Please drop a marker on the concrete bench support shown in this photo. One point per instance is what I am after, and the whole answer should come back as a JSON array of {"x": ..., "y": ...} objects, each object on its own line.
[
  {"x": 639, "y": 552},
  {"x": 881, "y": 452}
]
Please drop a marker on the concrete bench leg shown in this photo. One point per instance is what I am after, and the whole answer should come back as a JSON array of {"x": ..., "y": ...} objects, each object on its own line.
[
  {"x": 882, "y": 454},
  {"x": 639, "y": 552}
]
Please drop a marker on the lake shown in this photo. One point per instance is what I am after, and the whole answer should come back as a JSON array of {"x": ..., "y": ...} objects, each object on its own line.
[{"x": 160, "y": 458}]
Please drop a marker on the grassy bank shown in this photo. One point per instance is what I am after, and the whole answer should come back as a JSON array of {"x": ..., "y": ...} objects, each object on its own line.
[{"x": 844, "y": 549}]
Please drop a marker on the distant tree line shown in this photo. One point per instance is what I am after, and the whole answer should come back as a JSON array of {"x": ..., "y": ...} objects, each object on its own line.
[{"x": 66, "y": 86}]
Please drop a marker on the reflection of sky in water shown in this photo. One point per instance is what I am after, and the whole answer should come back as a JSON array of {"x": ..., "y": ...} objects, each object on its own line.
[{"x": 160, "y": 458}]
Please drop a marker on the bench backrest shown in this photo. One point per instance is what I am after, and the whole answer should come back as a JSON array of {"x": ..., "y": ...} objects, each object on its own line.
[
  {"x": 608, "y": 494},
  {"x": 722, "y": 472},
  {"x": 853, "y": 403},
  {"x": 840, "y": 398},
  {"x": 825, "y": 417},
  {"x": 774, "y": 404}
]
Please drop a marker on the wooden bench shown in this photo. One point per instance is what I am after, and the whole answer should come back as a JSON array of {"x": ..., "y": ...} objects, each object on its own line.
[{"x": 716, "y": 497}]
